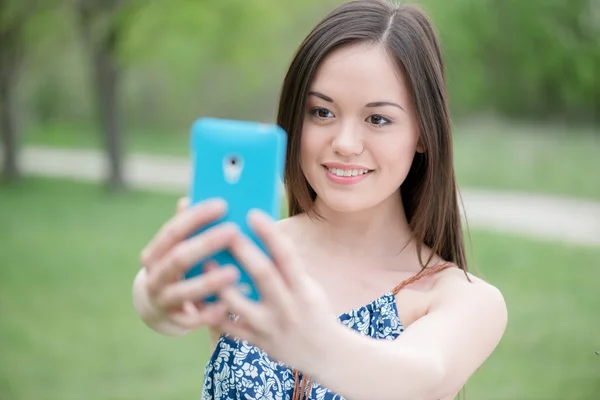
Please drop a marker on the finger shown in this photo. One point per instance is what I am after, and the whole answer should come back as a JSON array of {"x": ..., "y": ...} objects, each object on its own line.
[
  {"x": 280, "y": 248},
  {"x": 206, "y": 268},
  {"x": 210, "y": 265},
  {"x": 198, "y": 288},
  {"x": 259, "y": 266},
  {"x": 212, "y": 315},
  {"x": 192, "y": 307},
  {"x": 188, "y": 253},
  {"x": 182, "y": 204},
  {"x": 180, "y": 227},
  {"x": 254, "y": 315}
]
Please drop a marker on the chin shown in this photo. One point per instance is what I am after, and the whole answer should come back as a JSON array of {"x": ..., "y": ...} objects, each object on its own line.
[{"x": 345, "y": 203}]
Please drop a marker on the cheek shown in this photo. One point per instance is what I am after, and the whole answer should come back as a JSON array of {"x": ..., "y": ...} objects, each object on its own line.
[
  {"x": 310, "y": 146},
  {"x": 398, "y": 155}
]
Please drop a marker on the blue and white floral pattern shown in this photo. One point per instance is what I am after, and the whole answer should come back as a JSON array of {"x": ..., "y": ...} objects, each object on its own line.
[{"x": 240, "y": 371}]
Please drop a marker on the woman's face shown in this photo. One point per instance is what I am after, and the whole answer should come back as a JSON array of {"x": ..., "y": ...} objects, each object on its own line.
[{"x": 359, "y": 133}]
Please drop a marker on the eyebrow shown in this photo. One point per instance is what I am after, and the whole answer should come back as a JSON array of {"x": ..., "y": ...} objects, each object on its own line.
[
  {"x": 321, "y": 96},
  {"x": 384, "y": 103},
  {"x": 369, "y": 105}
]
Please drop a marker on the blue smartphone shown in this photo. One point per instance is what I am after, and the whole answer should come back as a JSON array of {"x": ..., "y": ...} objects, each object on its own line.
[{"x": 241, "y": 162}]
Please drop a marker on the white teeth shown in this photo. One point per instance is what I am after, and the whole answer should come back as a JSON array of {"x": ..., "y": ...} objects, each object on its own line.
[{"x": 347, "y": 172}]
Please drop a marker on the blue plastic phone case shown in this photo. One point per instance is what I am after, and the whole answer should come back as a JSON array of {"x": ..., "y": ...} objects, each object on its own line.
[{"x": 241, "y": 162}]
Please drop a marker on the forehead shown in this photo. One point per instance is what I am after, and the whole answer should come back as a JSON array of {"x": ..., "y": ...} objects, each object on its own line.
[{"x": 363, "y": 70}]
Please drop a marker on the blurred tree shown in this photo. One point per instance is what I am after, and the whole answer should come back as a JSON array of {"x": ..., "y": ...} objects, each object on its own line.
[
  {"x": 13, "y": 18},
  {"x": 24, "y": 26},
  {"x": 534, "y": 59},
  {"x": 119, "y": 33},
  {"x": 102, "y": 25},
  {"x": 175, "y": 60}
]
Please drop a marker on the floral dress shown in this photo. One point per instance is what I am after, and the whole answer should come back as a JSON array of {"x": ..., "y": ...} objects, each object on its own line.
[{"x": 238, "y": 370}]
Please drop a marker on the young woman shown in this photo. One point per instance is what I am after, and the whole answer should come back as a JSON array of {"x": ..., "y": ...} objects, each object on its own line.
[{"x": 367, "y": 295}]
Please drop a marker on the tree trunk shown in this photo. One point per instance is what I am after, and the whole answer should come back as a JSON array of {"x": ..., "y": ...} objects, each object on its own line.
[
  {"x": 101, "y": 47},
  {"x": 107, "y": 83},
  {"x": 10, "y": 168},
  {"x": 10, "y": 56}
]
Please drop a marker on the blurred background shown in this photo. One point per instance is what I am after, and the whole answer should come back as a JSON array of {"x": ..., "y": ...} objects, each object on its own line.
[{"x": 97, "y": 97}]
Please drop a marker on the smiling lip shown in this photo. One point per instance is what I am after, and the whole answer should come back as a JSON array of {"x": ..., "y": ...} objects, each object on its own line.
[
  {"x": 345, "y": 166},
  {"x": 346, "y": 174}
]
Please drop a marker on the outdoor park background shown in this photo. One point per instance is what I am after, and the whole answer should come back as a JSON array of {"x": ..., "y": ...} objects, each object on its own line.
[{"x": 129, "y": 76}]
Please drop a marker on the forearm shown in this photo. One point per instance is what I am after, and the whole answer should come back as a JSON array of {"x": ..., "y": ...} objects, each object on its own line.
[
  {"x": 363, "y": 368},
  {"x": 152, "y": 317}
]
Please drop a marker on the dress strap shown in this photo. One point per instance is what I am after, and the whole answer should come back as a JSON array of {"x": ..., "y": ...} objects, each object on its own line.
[
  {"x": 423, "y": 273},
  {"x": 300, "y": 387}
]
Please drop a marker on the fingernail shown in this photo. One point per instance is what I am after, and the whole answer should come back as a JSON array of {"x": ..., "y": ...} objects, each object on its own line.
[
  {"x": 230, "y": 227},
  {"x": 254, "y": 213},
  {"x": 219, "y": 202},
  {"x": 212, "y": 203},
  {"x": 259, "y": 215},
  {"x": 144, "y": 257}
]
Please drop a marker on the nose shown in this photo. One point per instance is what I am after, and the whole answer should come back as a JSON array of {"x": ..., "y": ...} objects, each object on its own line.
[{"x": 347, "y": 141}]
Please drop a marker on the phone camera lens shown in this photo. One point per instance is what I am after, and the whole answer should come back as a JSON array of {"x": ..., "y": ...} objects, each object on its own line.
[{"x": 233, "y": 161}]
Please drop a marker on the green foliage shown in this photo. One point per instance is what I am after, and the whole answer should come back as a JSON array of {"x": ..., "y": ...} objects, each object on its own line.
[
  {"x": 183, "y": 58},
  {"x": 535, "y": 58},
  {"x": 28, "y": 23}
]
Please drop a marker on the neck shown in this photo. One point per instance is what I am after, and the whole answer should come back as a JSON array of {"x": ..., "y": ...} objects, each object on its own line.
[{"x": 379, "y": 232}]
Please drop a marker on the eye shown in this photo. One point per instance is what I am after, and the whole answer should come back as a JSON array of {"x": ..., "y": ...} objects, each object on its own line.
[
  {"x": 321, "y": 113},
  {"x": 378, "y": 120}
]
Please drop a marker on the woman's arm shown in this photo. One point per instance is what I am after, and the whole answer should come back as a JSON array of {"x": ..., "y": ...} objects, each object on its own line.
[
  {"x": 432, "y": 359},
  {"x": 295, "y": 324}
]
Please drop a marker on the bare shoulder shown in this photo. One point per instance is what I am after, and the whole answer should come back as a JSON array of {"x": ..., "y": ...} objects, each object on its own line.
[
  {"x": 456, "y": 282},
  {"x": 473, "y": 296},
  {"x": 291, "y": 226}
]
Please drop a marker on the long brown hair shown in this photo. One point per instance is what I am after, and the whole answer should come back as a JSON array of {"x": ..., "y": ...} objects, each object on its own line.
[{"x": 429, "y": 193}]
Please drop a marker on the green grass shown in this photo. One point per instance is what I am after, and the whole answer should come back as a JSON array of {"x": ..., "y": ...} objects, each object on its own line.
[
  {"x": 488, "y": 154},
  {"x": 528, "y": 157},
  {"x": 68, "y": 329},
  {"x": 69, "y": 253}
]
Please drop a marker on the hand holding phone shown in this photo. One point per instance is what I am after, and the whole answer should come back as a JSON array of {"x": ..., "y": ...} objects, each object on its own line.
[{"x": 166, "y": 303}]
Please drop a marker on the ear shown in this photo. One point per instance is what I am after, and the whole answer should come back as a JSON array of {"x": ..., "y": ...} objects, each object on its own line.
[{"x": 420, "y": 147}]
